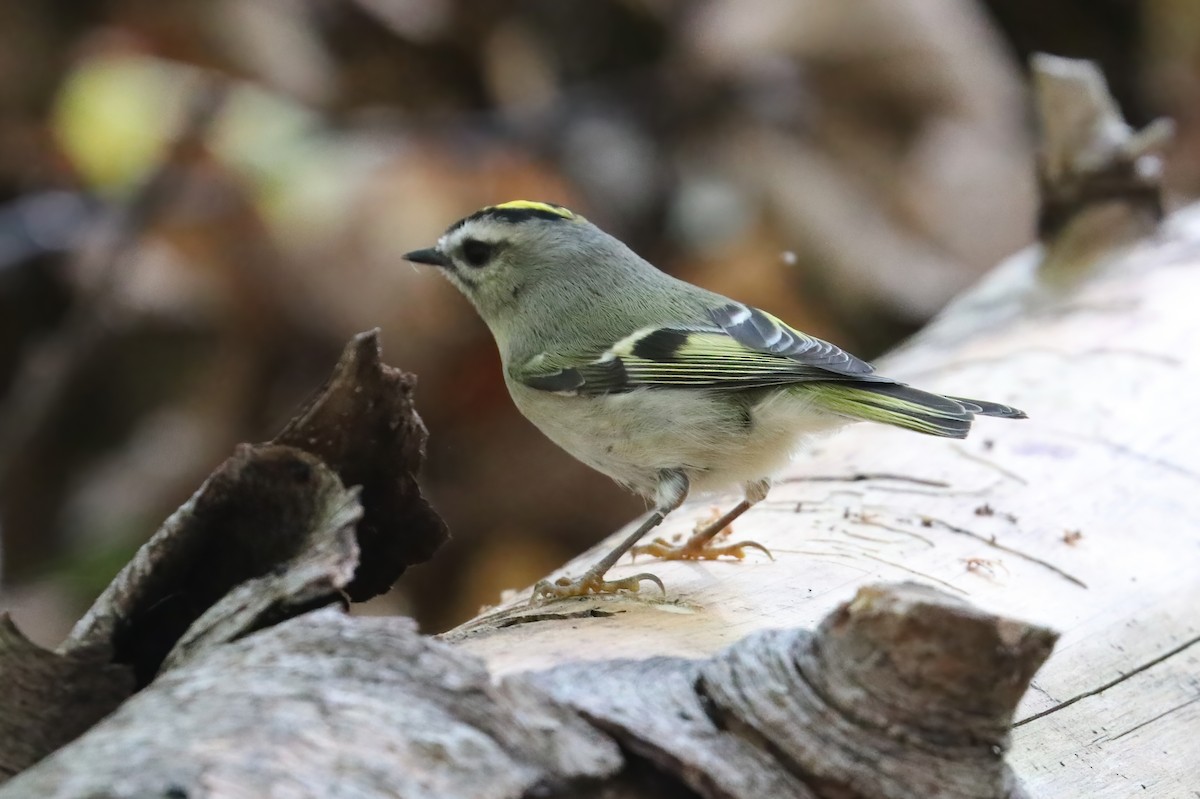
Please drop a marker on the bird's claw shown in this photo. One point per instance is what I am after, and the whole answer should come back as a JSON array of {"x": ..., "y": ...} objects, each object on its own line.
[
  {"x": 590, "y": 583},
  {"x": 692, "y": 550}
]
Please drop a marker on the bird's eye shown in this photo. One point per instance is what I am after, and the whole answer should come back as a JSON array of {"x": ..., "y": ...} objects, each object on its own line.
[{"x": 476, "y": 252}]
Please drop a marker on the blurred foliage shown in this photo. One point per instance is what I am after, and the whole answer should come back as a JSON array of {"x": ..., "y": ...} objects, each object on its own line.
[{"x": 847, "y": 166}]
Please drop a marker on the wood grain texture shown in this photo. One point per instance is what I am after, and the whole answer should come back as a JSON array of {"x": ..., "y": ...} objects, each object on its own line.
[{"x": 653, "y": 708}]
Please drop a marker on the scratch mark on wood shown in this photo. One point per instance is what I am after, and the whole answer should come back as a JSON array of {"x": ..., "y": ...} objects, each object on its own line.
[
  {"x": 859, "y": 537},
  {"x": 885, "y": 526},
  {"x": 992, "y": 542},
  {"x": 1033, "y": 686},
  {"x": 530, "y": 618},
  {"x": 950, "y": 492},
  {"x": 860, "y": 477},
  {"x": 845, "y": 559},
  {"x": 1117, "y": 681},
  {"x": 1137, "y": 727}
]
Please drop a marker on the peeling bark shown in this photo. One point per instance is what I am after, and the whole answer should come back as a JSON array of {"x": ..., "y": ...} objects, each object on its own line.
[{"x": 266, "y": 509}]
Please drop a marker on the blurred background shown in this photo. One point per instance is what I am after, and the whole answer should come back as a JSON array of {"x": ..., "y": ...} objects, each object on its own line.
[{"x": 201, "y": 200}]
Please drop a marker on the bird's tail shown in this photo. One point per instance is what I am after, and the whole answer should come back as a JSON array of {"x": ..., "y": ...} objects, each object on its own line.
[{"x": 903, "y": 406}]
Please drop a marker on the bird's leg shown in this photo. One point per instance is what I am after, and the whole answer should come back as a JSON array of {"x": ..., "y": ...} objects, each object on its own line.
[
  {"x": 672, "y": 490},
  {"x": 699, "y": 546}
]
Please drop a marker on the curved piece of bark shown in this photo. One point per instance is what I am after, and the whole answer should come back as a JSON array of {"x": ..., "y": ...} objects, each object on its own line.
[
  {"x": 327, "y": 705},
  {"x": 363, "y": 424},
  {"x": 314, "y": 575},
  {"x": 272, "y": 534},
  {"x": 264, "y": 510},
  {"x": 277, "y": 508}
]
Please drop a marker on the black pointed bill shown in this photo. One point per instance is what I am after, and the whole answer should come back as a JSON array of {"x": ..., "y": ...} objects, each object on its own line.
[{"x": 431, "y": 255}]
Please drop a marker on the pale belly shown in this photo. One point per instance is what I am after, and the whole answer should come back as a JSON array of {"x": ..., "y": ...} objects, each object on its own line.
[{"x": 720, "y": 445}]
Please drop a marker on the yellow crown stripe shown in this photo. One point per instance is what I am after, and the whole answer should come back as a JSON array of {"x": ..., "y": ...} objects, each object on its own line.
[{"x": 533, "y": 205}]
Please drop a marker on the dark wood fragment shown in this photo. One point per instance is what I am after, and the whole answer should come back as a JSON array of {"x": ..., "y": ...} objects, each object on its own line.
[{"x": 363, "y": 424}]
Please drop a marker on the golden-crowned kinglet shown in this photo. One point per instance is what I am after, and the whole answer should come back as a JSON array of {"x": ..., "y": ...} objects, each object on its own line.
[{"x": 661, "y": 385}]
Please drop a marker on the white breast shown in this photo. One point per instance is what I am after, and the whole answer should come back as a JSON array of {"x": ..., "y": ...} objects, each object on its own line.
[{"x": 632, "y": 437}]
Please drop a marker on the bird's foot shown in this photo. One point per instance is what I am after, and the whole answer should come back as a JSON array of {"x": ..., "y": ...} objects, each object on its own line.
[
  {"x": 698, "y": 550},
  {"x": 592, "y": 582},
  {"x": 700, "y": 546}
]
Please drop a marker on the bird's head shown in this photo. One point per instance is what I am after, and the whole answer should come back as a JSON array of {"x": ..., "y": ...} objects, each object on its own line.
[{"x": 505, "y": 256}]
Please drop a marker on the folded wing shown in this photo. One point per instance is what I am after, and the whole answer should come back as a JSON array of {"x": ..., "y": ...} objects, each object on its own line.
[{"x": 742, "y": 348}]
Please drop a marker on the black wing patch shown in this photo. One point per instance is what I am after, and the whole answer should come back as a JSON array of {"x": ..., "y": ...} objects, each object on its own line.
[
  {"x": 598, "y": 377},
  {"x": 565, "y": 381},
  {"x": 661, "y": 345}
]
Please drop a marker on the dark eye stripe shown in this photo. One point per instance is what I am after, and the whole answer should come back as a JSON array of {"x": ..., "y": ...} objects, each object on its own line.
[{"x": 476, "y": 253}]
